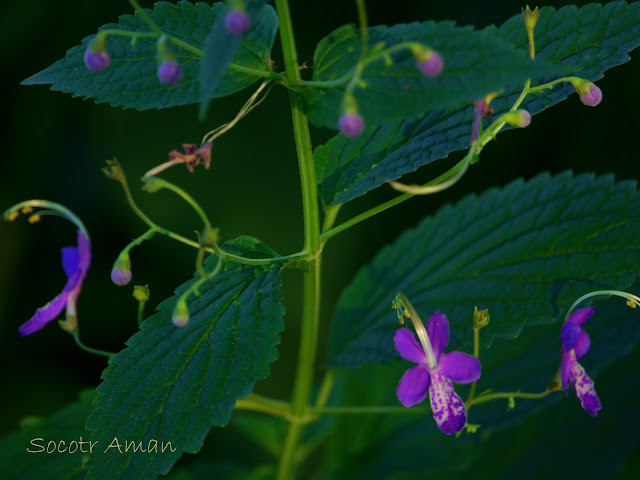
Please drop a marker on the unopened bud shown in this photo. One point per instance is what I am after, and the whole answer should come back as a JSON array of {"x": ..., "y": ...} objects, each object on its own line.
[
  {"x": 121, "y": 272},
  {"x": 169, "y": 72},
  {"x": 96, "y": 57},
  {"x": 589, "y": 93},
  {"x": 180, "y": 315},
  {"x": 141, "y": 293},
  {"x": 237, "y": 22},
  {"x": 530, "y": 17},
  {"x": 519, "y": 118},
  {"x": 113, "y": 170},
  {"x": 480, "y": 318},
  {"x": 351, "y": 124}
]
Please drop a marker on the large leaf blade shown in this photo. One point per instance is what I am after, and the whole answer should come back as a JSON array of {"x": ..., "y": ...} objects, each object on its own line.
[
  {"x": 593, "y": 39},
  {"x": 526, "y": 252},
  {"x": 173, "y": 384},
  {"x": 130, "y": 81}
]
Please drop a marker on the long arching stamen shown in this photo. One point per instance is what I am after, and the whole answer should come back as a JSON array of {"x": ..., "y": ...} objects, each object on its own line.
[
  {"x": 633, "y": 299},
  {"x": 421, "y": 331},
  {"x": 54, "y": 209}
]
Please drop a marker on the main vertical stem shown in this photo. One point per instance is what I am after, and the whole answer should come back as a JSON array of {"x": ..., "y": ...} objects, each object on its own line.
[{"x": 311, "y": 300}]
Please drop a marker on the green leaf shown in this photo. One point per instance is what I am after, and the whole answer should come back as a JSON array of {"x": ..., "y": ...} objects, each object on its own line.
[
  {"x": 476, "y": 63},
  {"x": 220, "y": 47},
  {"x": 131, "y": 82},
  {"x": 35, "y": 434},
  {"x": 592, "y": 39},
  {"x": 545, "y": 433},
  {"x": 173, "y": 384},
  {"x": 526, "y": 252}
]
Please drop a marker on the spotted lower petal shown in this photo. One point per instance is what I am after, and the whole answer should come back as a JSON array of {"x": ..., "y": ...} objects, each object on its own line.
[
  {"x": 44, "y": 315},
  {"x": 585, "y": 390},
  {"x": 413, "y": 386},
  {"x": 568, "y": 359},
  {"x": 448, "y": 408}
]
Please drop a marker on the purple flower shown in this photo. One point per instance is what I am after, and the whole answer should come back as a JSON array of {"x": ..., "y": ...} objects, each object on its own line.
[
  {"x": 96, "y": 61},
  {"x": 434, "y": 376},
  {"x": 351, "y": 124},
  {"x": 575, "y": 343},
  {"x": 237, "y": 22},
  {"x": 75, "y": 262},
  {"x": 169, "y": 72},
  {"x": 432, "y": 66}
]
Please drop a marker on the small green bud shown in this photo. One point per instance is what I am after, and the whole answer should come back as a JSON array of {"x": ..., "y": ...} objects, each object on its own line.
[
  {"x": 530, "y": 17},
  {"x": 141, "y": 293},
  {"x": 180, "y": 316},
  {"x": 480, "y": 318},
  {"x": 114, "y": 171}
]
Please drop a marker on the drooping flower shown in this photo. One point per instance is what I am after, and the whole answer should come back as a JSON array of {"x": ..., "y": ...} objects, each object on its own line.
[
  {"x": 590, "y": 93},
  {"x": 575, "y": 343},
  {"x": 351, "y": 124},
  {"x": 75, "y": 263},
  {"x": 192, "y": 156},
  {"x": 435, "y": 372}
]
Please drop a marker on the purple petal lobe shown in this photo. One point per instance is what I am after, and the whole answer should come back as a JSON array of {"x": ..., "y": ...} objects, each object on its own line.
[
  {"x": 70, "y": 260},
  {"x": 413, "y": 386},
  {"x": 569, "y": 335},
  {"x": 84, "y": 249},
  {"x": 447, "y": 406},
  {"x": 579, "y": 317},
  {"x": 585, "y": 390},
  {"x": 407, "y": 346},
  {"x": 582, "y": 345},
  {"x": 44, "y": 315},
  {"x": 568, "y": 359},
  {"x": 459, "y": 367},
  {"x": 438, "y": 331}
]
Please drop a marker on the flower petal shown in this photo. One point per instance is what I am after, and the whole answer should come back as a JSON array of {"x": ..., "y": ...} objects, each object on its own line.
[
  {"x": 583, "y": 342},
  {"x": 413, "y": 386},
  {"x": 438, "y": 331},
  {"x": 447, "y": 406},
  {"x": 579, "y": 317},
  {"x": 460, "y": 367},
  {"x": 84, "y": 251},
  {"x": 407, "y": 346},
  {"x": 44, "y": 315},
  {"x": 585, "y": 390},
  {"x": 70, "y": 260},
  {"x": 568, "y": 360},
  {"x": 569, "y": 335}
]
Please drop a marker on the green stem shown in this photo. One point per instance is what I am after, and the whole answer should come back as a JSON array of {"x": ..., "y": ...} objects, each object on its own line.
[
  {"x": 95, "y": 351},
  {"x": 386, "y": 205},
  {"x": 258, "y": 403},
  {"x": 140, "y": 11},
  {"x": 506, "y": 395},
  {"x": 311, "y": 287},
  {"x": 384, "y": 410},
  {"x": 141, "y": 312},
  {"x": 364, "y": 30}
]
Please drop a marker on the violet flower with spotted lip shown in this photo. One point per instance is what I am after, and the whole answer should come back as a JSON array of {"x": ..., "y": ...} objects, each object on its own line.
[
  {"x": 575, "y": 343},
  {"x": 75, "y": 262},
  {"x": 435, "y": 372}
]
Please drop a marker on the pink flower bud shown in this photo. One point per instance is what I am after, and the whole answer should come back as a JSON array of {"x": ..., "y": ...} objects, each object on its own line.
[
  {"x": 96, "y": 61},
  {"x": 169, "y": 72},
  {"x": 432, "y": 66},
  {"x": 592, "y": 96},
  {"x": 237, "y": 22},
  {"x": 351, "y": 124}
]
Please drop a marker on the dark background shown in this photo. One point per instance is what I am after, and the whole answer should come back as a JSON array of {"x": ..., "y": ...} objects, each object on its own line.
[{"x": 54, "y": 146}]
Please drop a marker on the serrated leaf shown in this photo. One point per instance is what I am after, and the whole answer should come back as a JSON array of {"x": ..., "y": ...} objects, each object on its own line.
[
  {"x": 66, "y": 425},
  {"x": 544, "y": 431},
  {"x": 173, "y": 384},
  {"x": 476, "y": 63},
  {"x": 526, "y": 252},
  {"x": 593, "y": 39},
  {"x": 130, "y": 81},
  {"x": 221, "y": 46}
]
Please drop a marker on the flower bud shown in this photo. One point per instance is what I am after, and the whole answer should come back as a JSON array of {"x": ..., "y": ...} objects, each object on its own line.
[
  {"x": 432, "y": 66},
  {"x": 351, "y": 124},
  {"x": 121, "y": 272},
  {"x": 519, "y": 118},
  {"x": 141, "y": 293},
  {"x": 589, "y": 93},
  {"x": 113, "y": 170},
  {"x": 530, "y": 17},
  {"x": 480, "y": 318},
  {"x": 169, "y": 72},
  {"x": 96, "y": 57},
  {"x": 237, "y": 22},
  {"x": 180, "y": 315}
]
